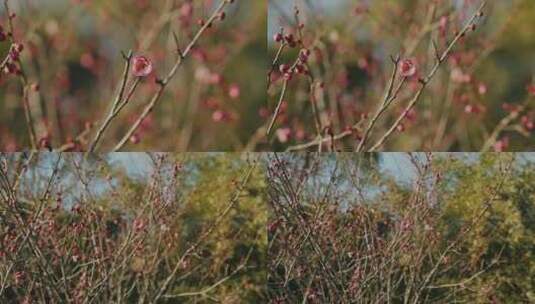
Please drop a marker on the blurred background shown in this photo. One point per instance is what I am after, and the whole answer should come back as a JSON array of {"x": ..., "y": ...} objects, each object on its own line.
[
  {"x": 352, "y": 42},
  {"x": 73, "y": 53}
]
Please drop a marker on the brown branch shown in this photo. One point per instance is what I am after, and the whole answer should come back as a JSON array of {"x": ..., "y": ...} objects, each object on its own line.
[
  {"x": 434, "y": 70},
  {"x": 164, "y": 82},
  {"x": 230, "y": 205},
  {"x": 117, "y": 104}
]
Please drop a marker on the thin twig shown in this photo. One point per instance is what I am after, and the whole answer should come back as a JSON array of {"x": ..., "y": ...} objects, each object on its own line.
[
  {"x": 504, "y": 123},
  {"x": 24, "y": 81},
  {"x": 164, "y": 82},
  {"x": 230, "y": 205},
  {"x": 116, "y": 105},
  {"x": 425, "y": 82}
]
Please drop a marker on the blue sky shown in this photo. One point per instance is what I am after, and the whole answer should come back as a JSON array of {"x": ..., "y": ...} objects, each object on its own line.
[
  {"x": 138, "y": 163},
  {"x": 135, "y": 163},
  {"x": 396, "y": 164},
  {"x": 328, "y": 8},
  {"x": 325, "y": 6}
]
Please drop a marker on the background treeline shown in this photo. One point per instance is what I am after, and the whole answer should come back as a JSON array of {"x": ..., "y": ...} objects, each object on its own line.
[
  {"x": 342, "y": 230},
  {"x": 190, "y": 229},
  {"x": 280, "y": 228}
]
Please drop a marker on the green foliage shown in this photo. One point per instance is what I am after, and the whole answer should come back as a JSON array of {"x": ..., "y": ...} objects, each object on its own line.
[
  {"x": 503, "y": 238},
  {"x": 241, "y": 234},
  {"x": 199, "y": 212}
]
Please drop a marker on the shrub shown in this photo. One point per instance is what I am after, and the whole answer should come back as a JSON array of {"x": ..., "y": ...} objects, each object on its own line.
[
  {"x": 185, "y": 228},
  {"x": 457, "y": 228}
]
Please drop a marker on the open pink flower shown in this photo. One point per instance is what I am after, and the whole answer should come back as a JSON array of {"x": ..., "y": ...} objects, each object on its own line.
[
  {"x": 407, "y": 67},
  {"x": 141, "y": 66}
]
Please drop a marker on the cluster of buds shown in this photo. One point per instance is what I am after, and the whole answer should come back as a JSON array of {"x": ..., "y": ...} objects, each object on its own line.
[
  {"x": 298, "y": 68},
  {"x": 186, "y": 13},
  {"x": 288, "y": 39},
  {"x": 527, "y": 121},
  {"x": 10, "y": 63}
]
